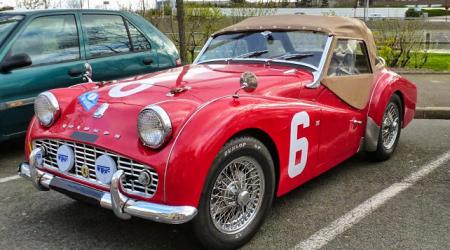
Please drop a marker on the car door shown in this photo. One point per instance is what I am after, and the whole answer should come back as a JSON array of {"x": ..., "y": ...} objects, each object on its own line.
[
  {"x": 344, "y": 97},
  {"x": 115, "y": 48},
  {"x": 52, "y": 43}
]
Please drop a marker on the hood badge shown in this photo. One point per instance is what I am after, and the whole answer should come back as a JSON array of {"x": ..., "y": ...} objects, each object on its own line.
[
  {"x": 101, "y": 110},
  {"x": 177, "y": 90},
  {"x": 94, "y": 130}
]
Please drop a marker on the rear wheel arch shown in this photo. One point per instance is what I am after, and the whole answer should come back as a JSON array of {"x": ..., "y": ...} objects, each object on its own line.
[
  {"x": 402, "y": 102},
  {"x": 374, "y": 120}
]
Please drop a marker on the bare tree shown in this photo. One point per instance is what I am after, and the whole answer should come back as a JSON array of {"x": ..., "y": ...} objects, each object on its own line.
[
  {"x": 181, "y": 29},
  {"x": 143, "y": 7},
  {"x": 243, "y": 11},
  {"x": 29, "y": 4},
  {"x": 74, "y": 4},
  {"x": 46, "y": 4},
  {"x": 127, "y": 6}
]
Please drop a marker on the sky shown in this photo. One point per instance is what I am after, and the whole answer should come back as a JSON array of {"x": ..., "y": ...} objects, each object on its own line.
[{"x": 113, "y": 4}]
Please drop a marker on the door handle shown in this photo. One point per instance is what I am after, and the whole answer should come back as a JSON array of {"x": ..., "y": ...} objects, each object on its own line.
[
  {"x": 356, "y": 122},
  {"x": 147, "y": 61},
  {"x": 75, "y": 72}
]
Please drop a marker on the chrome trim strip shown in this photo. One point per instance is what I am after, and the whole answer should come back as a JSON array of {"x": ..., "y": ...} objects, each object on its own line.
[
  {"x": 16, "y": 103},
  {"x": 122, "y": 206},
  {"x": 318, "y": 74},
  {"x": 203, "y": 50},
  {"x": 266, "y": 61}
]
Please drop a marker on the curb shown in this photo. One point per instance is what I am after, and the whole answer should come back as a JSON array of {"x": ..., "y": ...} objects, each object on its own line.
[
  {"x": 422, "y": 72},
  {"x": 432, "y": 113}
]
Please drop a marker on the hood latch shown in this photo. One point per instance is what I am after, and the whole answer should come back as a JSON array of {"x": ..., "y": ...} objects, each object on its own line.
[{"x": 177, "y": 90}]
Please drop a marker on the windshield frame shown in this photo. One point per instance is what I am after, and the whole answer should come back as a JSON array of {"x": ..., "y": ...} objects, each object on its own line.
[
  {"x": 264, "y": 60},
  {"x": 18, "y": 18},
  {"x": 317, "y": 72}
]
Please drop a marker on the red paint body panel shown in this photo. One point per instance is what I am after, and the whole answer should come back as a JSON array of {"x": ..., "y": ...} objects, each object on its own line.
[
  {"x": 206, "y": 116},
  {"x": 386, "y": 84}
]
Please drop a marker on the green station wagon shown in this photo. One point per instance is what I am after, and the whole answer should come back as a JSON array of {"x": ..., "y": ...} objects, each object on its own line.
[{"x": 46, "y": 49}]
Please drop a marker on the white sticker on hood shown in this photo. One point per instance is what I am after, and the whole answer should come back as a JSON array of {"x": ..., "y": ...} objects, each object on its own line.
[{"x": 117, "y": 91}]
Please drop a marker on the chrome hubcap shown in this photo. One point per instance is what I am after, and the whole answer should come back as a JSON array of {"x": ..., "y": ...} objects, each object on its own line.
[
  {"x": 390, "y": 126},
  {"x": 237, "y": 195}
]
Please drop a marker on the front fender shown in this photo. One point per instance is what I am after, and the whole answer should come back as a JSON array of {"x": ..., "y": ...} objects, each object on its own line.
[{"x": 208, "y": 129}]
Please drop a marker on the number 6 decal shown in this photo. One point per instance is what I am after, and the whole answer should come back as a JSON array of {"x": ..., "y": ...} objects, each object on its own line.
[{"x": 298, "y": 145}]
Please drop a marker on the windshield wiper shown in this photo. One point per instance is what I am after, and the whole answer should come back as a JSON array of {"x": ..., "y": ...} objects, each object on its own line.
[
  {"x": 292, "y": 56},
  {"x": 252, "y": 54}
]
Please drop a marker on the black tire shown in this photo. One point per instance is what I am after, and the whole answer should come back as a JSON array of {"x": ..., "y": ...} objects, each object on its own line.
[
  {"x": 383, "y": 153},
  {"x": 207, "y": 232}
]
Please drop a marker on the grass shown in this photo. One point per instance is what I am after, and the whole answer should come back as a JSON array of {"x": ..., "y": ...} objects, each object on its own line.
[
  {"x": 437, "y": 12},
  {"x": 436, "y": 62}
]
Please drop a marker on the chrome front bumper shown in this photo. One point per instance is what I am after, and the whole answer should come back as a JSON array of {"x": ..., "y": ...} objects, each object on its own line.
[{"x": 123, "y": 206}]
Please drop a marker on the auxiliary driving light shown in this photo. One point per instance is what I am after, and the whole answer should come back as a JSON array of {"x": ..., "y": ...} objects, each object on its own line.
[{"x": 145, "y": 178}]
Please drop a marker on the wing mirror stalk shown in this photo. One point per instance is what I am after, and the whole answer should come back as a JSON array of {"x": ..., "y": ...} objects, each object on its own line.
[{"x": 87, "y": 76}]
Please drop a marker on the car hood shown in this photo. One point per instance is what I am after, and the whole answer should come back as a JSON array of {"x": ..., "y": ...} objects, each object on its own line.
[
  {"x": 119, "y": 103},
  {"x": 200, "y": 83}
]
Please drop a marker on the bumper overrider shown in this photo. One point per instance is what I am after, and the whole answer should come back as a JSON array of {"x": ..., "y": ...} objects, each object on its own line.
[{"x": 123, "y": 206}]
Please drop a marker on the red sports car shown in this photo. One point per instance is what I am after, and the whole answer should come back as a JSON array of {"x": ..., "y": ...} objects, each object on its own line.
[{"x": 268, "y": 104}]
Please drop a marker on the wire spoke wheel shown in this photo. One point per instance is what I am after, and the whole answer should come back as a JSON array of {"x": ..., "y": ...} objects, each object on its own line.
[
  {"x": 237, "y": 195},
  {"x": 390, "y": 126}
]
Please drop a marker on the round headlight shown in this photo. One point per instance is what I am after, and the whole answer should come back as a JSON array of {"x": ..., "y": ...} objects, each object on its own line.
[
  {"x": 154, "y": 126},
  {"x": 46, "y": 108}
]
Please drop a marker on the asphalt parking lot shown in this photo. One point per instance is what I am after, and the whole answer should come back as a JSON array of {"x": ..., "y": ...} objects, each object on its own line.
[{"x": 417, "y": 218}]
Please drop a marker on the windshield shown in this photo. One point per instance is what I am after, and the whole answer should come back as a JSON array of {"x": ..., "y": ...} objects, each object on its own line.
[
  {"x": 7, "y": 24},
  {"x": 305, "y": 47}
]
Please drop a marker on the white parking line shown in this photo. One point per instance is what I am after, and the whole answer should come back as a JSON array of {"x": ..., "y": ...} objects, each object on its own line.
[
  {"x": 11, "y": 178},
  {"x": 325, "y": 235}
]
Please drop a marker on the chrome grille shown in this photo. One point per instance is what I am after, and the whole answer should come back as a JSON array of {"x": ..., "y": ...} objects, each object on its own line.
[{"x": 86, "y": 155}]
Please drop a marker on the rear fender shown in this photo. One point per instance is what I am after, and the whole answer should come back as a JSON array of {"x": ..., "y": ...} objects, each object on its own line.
[{"x": 387, "y": 84}]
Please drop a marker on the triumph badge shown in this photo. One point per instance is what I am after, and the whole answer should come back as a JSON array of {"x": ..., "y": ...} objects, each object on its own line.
[{"x": 85, "y": 171}]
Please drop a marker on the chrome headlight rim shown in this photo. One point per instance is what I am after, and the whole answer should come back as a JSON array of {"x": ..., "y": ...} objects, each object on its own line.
[
  {"x": 56, "y": 112},
  {"x": 165, "y": 122}
]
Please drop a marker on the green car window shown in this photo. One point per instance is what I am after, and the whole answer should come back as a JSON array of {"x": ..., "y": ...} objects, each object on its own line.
[
  {"x": 140, "y": 43},
  {"x": 107, "y": 35},
  {"x": 7, "y": 24},
  {"x": 49, "y": 39}
]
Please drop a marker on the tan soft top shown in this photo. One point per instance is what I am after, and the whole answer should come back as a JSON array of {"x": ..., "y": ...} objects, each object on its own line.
[
  {"x": 343, "y": 27},
  {"x": 354, "y": 89}
]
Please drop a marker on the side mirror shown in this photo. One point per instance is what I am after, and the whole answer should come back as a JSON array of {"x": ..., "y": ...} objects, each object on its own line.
[
  {"x": 248, "y": 81},
  {"x": 15, "y": 62},
  {"x": 380, "y": 60}
]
